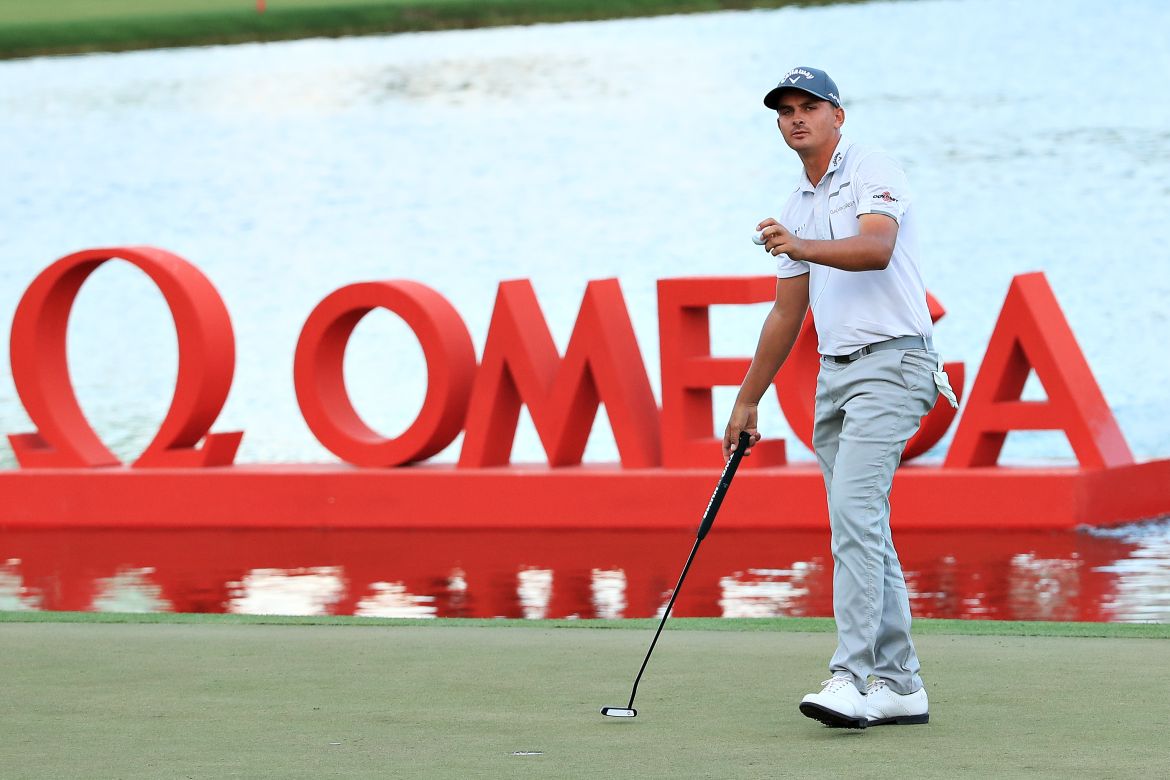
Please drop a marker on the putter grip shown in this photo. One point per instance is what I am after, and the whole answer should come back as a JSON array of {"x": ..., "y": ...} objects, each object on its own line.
[{"x": 724, "y": 483}]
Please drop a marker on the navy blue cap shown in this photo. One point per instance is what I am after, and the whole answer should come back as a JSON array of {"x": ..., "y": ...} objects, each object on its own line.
[{"x": 815, "y": 82}]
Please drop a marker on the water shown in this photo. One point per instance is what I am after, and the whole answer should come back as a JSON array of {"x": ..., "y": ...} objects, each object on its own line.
[
  {"x": 1122, "y": 575},
  {"x": 1032, "y": 134},
  {"x": 563, "y": 153}
]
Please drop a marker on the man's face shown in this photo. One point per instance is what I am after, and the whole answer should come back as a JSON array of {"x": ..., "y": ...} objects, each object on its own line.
[{"x": 807, "y": 123}]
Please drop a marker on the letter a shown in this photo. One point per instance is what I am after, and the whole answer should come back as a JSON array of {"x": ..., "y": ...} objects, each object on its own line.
[{"x": 1032, "y": 333}]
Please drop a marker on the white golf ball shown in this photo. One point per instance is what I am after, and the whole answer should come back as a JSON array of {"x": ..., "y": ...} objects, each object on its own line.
[{"x": 758, "y": 239}]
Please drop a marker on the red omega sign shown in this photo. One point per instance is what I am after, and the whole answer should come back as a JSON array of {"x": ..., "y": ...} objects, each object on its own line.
[{"x": 521, "y": 365}]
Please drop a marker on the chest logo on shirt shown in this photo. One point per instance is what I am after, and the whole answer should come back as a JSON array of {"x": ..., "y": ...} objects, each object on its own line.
[
  {"x": 842, "y": 207},
  {"x": 886, "y": 196}
]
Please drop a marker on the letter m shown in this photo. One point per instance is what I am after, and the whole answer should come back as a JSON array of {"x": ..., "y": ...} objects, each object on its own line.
[{"x": 521, "y": 365}]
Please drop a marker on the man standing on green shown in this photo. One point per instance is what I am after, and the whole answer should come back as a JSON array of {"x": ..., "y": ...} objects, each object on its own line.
[{"x": 846, "y": 244}]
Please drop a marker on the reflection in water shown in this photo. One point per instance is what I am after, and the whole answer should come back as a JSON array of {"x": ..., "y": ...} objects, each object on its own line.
[
  {"x": 457, "y": 594},
  {"x": 534, "y": 590},
  {"x": 1114, "y": 575},
  {"x": 15, "y": 596},
  {"x": 310, "y": 591},
  {"x": 767, "y": 592},
  {"x": 392, "y": 600},
  {"x": 609, "y": 593},
  {"x": 130, "y": 590},
  {"x": 1045, "y": 587}
]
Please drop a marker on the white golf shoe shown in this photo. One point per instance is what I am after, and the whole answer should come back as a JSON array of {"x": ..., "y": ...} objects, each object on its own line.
[
  {"x": 839, "y": 704},
  {"x": 884, "y": 707}
]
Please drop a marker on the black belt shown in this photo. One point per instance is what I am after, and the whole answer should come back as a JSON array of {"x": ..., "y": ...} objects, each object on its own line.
[{"x": 902, "y": 342}]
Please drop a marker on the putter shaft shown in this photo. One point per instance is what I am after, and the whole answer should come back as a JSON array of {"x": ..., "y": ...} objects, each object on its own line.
[{"x": 708, "y": 520}]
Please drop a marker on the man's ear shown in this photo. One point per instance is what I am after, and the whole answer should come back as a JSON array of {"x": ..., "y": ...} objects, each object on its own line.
[{"x": 840, "y": 117}]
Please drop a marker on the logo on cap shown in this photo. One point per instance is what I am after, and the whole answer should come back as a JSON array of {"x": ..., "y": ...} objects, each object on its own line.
[{"x": 815, "y": 82}]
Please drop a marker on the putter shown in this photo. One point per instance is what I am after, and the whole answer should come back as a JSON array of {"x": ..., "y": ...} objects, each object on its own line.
[{"x": 708, "y": 518}]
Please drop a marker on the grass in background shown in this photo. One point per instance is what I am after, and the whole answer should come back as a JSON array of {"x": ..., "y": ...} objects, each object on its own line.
[{"x": 76, "y": 26}]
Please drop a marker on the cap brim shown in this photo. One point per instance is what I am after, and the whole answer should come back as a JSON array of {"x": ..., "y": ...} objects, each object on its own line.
[{"x": 772, "y": 99}]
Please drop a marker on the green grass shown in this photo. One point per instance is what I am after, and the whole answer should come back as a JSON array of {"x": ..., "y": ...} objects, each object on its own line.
[
  {"x": 74, "y": 26},
  {"x": 805, "y": 625},
  {"x": 455, "y": 699}
]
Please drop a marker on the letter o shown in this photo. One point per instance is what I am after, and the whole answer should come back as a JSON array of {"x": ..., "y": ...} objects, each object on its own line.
[
  {"x": 40, "y": 369},
  {"x": 318, "y": 372}
]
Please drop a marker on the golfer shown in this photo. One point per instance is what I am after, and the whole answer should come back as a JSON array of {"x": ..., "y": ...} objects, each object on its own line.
[{"x": 846, "y": 243}]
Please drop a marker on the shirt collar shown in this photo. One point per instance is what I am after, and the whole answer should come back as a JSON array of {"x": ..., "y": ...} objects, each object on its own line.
[{"x": 835, "y": 161}]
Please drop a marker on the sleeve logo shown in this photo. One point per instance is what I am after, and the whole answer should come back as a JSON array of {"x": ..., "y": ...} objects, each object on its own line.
[{"x": 886, "y": 196}]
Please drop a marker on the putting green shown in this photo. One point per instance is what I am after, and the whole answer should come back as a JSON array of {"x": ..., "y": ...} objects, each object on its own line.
[{"x": 224, "y": 698}]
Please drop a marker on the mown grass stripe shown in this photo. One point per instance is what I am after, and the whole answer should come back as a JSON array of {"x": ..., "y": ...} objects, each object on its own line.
[
  {"x": 118, "y": 25},
  {"x": 802, "y": 625}
]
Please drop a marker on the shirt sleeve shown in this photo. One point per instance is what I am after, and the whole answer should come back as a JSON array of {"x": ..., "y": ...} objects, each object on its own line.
[
  {"x": 786, "y": 267},
  {"x": 881, "y": 187}
]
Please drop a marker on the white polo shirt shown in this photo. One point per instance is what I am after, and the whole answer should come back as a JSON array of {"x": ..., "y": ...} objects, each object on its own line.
[{"x": 855, "y": 308}]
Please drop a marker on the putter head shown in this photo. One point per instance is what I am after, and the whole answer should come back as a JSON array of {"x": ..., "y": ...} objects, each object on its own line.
[{"x": 619, "y": 712}]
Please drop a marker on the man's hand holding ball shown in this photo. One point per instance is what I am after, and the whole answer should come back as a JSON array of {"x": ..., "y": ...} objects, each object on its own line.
[{"x": 777, "y": 239}]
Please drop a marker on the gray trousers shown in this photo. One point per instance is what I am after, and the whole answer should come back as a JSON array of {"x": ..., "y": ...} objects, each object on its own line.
[{"x": 865, "y": 413}]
